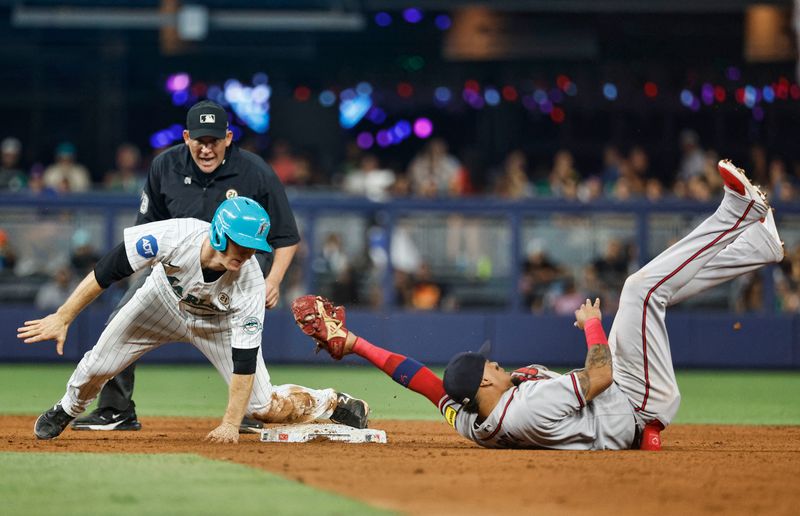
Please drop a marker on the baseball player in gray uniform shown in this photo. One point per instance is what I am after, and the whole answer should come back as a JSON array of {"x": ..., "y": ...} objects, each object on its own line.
[
  {"x": 206, "y": 288},
  {"x": 627, "y": 392}
]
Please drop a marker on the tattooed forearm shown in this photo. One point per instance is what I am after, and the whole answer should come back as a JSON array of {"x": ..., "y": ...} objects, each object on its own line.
[
  {"x": 598, "y": 356},
  {"x": 583, "y": 379},
  {"x": 596, "y": 376}
]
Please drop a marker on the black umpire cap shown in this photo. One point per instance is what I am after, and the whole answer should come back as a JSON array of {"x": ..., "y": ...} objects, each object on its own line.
[
  {"x": 464, "y": 372},
  {"x": 207, "y": 118}
]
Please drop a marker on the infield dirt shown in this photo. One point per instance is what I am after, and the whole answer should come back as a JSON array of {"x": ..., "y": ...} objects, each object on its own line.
[{"x": 428, "y": 469}]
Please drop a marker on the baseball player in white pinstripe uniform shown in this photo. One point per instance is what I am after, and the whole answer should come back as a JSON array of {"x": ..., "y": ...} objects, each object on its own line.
[
  {"x": 206, "y": 288},
  {"x": 627, "y": 392}
]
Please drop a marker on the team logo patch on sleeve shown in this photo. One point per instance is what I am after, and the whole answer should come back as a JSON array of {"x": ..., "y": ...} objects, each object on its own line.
[
  {"x": 450, "y": 415},
  {"x": 251, "y": 325},
  {"x": 147, "y": 246}
]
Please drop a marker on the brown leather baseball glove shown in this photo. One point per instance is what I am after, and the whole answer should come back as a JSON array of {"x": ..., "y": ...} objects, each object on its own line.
[{"x": 324, "y": 322}]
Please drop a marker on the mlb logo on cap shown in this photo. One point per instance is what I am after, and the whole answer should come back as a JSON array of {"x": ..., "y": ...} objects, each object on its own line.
[{"x": 207, "y": 118}]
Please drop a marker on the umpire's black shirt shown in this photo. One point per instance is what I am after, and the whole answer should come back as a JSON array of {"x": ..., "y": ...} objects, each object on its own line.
[{"x": 176, "y": 188}]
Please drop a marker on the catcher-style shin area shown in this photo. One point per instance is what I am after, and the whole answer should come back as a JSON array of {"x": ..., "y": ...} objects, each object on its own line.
[{"x": 313, "y": 432}]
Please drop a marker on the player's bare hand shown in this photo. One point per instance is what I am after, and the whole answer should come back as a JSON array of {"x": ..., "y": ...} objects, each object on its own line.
[
  {"x": 52, "y": 327},
  {"x": 588, "y": 310},
  {"x": 273, "y": 294},
  {"x": 224, "y": 433}
]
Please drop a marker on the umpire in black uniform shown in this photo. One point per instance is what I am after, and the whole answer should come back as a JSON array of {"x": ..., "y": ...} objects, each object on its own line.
[{"x": 191, "y": 180}]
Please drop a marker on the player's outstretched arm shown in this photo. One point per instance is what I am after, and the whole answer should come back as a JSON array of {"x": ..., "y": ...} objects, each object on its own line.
[
  {"x": 404, "y": 370},
  {"x": 238, "y": 395},
  {"x": 325, "y": 323},
  {"x": 596, "y": 376},
  {"x": 55, "y": 326}
]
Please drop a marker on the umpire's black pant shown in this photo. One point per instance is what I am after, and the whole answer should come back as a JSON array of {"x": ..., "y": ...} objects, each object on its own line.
[{"x": 117, "y": 393}]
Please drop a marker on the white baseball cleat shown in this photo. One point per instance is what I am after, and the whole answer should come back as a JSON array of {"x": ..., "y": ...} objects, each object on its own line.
[{"x": 736, "y": 181}]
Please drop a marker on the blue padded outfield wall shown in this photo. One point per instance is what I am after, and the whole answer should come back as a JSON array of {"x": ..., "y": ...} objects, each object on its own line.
[{"x": 697, "y": 339}]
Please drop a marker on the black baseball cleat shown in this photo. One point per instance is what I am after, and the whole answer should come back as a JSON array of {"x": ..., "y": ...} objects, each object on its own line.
[
  {"x": 108, "y": 418},
  {"x": 350, "y": 411},
  {"x": 50, "y": 424},
  {"x": 250, "y": 426}
]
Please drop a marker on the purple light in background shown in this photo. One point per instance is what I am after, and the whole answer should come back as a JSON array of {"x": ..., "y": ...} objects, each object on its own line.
[
  {"x": 695, "y": 105},
  {"x": 383, "y": 19},
  {"x": 556, "y": 96},
  {"x": 175, "y": 132},
  {"x": 403, "y": 129},
  {"x": 529, "y": 102},
  {"x": 470, "y": 96},
  {"x": 376, "y": 115},
  {"x": 412, "y": 15},
  {"x": 364, "y": 140},
  {"x": 179, "y": 98},
  {"x": 178, "y": 82},
  {"x": 213, "y": 92},
  {"x": 159, "y": 140},
  {"x": 546, "y": 107},
  {"x": 539, "y": 96},
  {"x": 707, "y": 94},
  {"x": 443, "y": 22},
  {"x": 423, "y": 128},
  {"x": 477, "y": 102},
  {"x": 384, "y": 138},
  {"x": 733, "y": 73}
]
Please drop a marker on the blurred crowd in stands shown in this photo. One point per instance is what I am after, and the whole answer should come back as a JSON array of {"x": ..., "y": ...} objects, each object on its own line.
[{"x": 434, "y": 172}]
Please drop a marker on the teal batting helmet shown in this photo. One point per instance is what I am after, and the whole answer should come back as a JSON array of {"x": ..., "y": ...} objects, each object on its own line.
[{"x": 242, "y": 220}]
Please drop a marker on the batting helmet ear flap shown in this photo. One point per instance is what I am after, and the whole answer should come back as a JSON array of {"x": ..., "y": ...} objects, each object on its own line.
[{"x": 217, "y": 237}]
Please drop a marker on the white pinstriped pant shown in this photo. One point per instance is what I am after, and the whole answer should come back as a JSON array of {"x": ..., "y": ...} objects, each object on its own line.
[
  {"x": 152, "y": 318},
  {"x": 729, "y": 243}
]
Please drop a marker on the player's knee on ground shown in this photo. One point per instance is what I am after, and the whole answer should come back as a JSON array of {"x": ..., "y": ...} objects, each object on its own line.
[{"x": 296, "y": 407}]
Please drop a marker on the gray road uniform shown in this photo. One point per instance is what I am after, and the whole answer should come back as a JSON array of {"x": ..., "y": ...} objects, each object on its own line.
[
  {"x": 176, "y": 304},
  {"x": 550, "y": 412}
]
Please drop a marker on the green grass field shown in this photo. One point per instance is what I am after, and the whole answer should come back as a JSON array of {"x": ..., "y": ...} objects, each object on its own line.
[{"x": 189, "y": 484}]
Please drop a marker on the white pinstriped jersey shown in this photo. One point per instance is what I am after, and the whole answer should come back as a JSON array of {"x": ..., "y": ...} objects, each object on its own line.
[
  {"x": 172, "y": 247},
  {"x": 549, "y": 412}
]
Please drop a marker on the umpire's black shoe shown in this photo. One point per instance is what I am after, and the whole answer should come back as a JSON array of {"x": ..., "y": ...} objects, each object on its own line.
[
  {"x": 108, "y": 418},
  {"x": 250, "y": 426},
  {"x": 50, "y": 424},
  {"x": 350, "y": 411}
]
